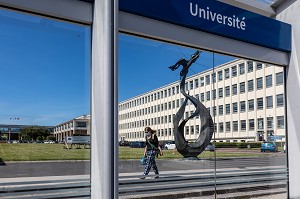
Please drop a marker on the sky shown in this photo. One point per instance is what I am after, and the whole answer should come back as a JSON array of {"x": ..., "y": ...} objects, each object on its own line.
[
  {"x": 143, "y": 64},
  {"x": 45, "y": 68}
]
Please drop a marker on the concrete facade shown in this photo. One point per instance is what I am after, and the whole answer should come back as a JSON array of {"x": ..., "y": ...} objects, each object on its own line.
[
  {"x": 246, "y": 101},
  {"x": 77, "y": 126}
]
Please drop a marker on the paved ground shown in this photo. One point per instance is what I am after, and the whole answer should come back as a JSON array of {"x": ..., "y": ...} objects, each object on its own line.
[{"x": 276, "y": 196}]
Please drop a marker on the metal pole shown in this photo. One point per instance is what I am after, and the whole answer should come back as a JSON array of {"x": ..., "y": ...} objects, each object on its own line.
[{"x": 104, "y": 105}]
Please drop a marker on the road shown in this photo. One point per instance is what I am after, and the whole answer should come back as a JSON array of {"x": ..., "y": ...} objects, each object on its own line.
[{"x": 67, "y": 168}]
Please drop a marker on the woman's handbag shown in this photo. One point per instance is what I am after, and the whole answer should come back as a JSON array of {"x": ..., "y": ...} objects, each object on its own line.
[{"x": 143, "y": 160}]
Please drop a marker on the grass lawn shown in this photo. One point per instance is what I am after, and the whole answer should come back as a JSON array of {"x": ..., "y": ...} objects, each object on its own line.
[
  {"x": 40, "y": 152},
  {"x": 136, "y": 153}
]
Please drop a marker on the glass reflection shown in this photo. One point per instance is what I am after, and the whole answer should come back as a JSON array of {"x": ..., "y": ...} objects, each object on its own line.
[
  {"x": 239, "y": 94},
  {"x": 45, "y": 85}
]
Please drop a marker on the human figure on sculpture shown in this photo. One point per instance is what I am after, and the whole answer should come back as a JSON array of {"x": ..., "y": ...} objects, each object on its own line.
[
  {"x": 185, "y": 64},
  {"x": 152, "y": 149}
]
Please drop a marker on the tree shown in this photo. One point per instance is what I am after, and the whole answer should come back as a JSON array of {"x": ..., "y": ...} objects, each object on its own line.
[{"x": 34, "y": 133}]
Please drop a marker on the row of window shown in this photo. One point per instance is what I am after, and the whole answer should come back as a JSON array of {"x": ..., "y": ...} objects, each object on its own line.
[
  {"x": 70, "y": 125},
  {"x": 221, "y": 127},
  {"x": 190, "y": 85},
  {"x": 229, "y": 108}
]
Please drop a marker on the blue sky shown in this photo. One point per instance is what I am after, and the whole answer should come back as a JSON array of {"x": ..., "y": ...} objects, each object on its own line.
[
  {"x": 45, "y": 68},
  {"x": 143, "y": 64}
]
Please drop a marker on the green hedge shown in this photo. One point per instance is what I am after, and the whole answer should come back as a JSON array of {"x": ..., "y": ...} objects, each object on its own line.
[{"x": 237, "y": 144}]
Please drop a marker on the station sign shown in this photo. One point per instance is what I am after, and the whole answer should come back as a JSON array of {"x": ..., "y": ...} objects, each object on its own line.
[{"x": 217, "y": 18}]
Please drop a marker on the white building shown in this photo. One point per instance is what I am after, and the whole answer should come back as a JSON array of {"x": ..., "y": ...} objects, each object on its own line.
[
  {"x": 247, "y": 98},
  {"x": 77, "y": 126}
]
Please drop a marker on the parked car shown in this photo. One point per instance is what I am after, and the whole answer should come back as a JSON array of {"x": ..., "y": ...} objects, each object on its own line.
[
  {"x": 268, "y": 146},
  {"x": 137, "y": 144},
  {"x": 124, "y": 143},
  {"x": 170, "y": 145},
  {"x": 210, "y": 147}
]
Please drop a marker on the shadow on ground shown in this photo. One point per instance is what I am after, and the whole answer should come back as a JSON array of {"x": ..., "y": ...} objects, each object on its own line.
[{"x": 2, "y": 163}]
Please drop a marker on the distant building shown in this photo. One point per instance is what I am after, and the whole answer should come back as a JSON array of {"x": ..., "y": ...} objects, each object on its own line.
[
  {"x": 245, "y": 99},
  {"x": 77, "y": 126},
  {"x": 12, "y": 131}
]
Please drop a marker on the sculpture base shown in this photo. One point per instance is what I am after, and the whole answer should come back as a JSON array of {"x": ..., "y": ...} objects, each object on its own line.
[{"x": 191, "y": 158}]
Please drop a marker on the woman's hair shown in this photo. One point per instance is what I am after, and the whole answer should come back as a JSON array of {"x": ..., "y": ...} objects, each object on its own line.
[{"x": 148, "y": 129}]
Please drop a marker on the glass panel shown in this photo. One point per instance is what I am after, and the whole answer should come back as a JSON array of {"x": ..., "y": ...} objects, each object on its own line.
[
  {"x": 245, "y": 101},
  {"x": 45, "y": 106},
  {"x": 252, "y": 132},
  {"x": 144, "y": 70}
]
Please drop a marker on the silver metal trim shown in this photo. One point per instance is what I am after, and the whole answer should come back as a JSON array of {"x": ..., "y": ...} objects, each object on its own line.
[{"x": 73, "y": 10}]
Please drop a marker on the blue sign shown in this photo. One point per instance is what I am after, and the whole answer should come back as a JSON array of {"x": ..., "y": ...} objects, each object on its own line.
[{"x": 217, "y": 18}]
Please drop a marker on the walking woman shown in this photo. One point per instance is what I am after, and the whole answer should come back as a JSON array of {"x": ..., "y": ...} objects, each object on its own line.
[{"x": 152, "y": 149}]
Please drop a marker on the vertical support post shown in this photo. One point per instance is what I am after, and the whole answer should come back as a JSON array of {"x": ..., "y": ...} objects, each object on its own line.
[{"x": 104, "y": 102}]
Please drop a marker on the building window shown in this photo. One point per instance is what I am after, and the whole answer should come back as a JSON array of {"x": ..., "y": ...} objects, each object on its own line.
[
  {"x": 260, "y": 103},
  {"x": 250, "y": 85},
  {"x": 234, "y": 89},
  {"x": 234, "y": 71},
  {"x": 235, "y": 126},
  {"x": 242, "y": 68},
  {"x": 197, "y": 129},
  {"x": 259, "y": 66},
  {"x": 213, "y": 77},
  {"x": 220, "y": 75},
  {"x": 243, "y": 106},
  {"x": 81, "y": 124},
  {"x": 269, "y": 81},
  {"x": 242, "y": 87},
  {"x": 227, "y": 109},
  {"x": 227, "y": 74},
  {"x": 279, "y": 78},
  {"x": 220, "y": 92},
  {"x": 227, "y": 127},
  {"x": 260, "y": 123},
  {"x": 221, "y": 127},
  {"x": 186, "y": 87},
  {"x": 243, "y": 125},
  {"x": 269, "y": 101},
  {"x": 250, "y": 105},
  {"x": 280, "y": 122},
  {"x": 227, "y": 91},
  {"x": 251, "y": 124},
  {"x": 207, "y": 79},
  {"x": 279, "y": 100},
  {"x": 214, "y": 94},
  {"x": 191, "y": 85},
  {"x": 250, "y": 66},
  {"x": 221, "y": 110},
  {"x": 207, "y": 95},
  {"x": 202, "y": 81},
  {"x": 192, "y": 130},
  {"x": 187, "y": 128},
  {"x": 270, "y": 122},
  {"x": 196, "y": 83},
  {"x": 202, "y": 97},
  {"x": 259, "y": 83},
  {"x": 235, "y": 107}
]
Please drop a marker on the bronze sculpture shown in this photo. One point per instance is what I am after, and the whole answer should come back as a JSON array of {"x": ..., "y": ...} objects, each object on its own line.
[{"x": 185, "y": 148}]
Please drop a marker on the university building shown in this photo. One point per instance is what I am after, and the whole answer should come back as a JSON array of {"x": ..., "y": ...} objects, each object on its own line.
[
  {"x": 245, "y": 99},
  {"x": 76, "y": 126}
]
